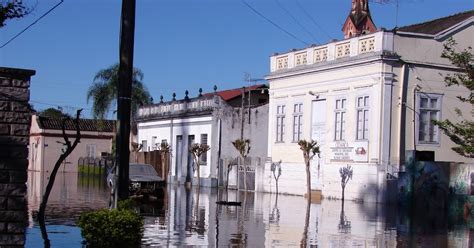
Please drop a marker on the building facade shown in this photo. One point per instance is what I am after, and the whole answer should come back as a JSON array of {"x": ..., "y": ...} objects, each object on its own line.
[
  {"x": 214, "y": 119},
  {"x": 366, "y": 100},
  {"x": 46, "y": 142}
]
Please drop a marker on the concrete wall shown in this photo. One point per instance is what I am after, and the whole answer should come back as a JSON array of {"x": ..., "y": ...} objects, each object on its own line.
[
  {"x": 14, "y": 131},
  {"x": 426, "y": 70}
]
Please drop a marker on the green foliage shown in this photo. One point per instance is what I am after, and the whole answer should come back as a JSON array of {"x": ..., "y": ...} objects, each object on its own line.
[
  {"x": 198, "y": 149},
  {"x": 104, "y": 90},
  {"x": 164, "y": 147},
  {"x": 53, "y": 113},
  {"x": 309, "y": 148},
  {"x": 461, "y": 133},
  {"x": 125, "y": 204},
  {"x": 242, "y": 146},
  {"x": 346, "y": 175},
  {"x": 12, "y": 9},
  {"x": 112, "y": 228}
]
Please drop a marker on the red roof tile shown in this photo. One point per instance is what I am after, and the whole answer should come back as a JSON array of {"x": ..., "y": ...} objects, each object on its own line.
[{"x": 227, "y": 95}]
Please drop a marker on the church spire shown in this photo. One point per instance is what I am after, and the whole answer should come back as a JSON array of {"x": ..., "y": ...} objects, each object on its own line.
[{"x": 359, "y": 20}]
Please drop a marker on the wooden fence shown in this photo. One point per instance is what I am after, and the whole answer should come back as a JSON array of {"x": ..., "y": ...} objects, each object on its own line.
[{"x": 159, "y": 160}]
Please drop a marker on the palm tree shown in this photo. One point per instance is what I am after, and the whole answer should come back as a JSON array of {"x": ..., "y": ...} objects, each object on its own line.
[{"x": 104, "y": 91}]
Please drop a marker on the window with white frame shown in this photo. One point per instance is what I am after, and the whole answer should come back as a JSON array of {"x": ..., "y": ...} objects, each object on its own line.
[
  {"x": 340, "y": 119},
  {"x": 91, "y": 150},
  {"x": 429, "y": 110},
  {"x": 144, "y": 146},
  {"x": 153, "y": 143},
  {"x": 297, "y": 121},
  {"x": 280, "y": 123},
  {"x": 362, "y": 108},
  {"x": 203, "y": 158}
]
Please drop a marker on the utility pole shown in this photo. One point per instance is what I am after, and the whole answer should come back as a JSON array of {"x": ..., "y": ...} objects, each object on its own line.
[
  {"x": 242, "y": 114},
  {"x": 127, "y": 33}
]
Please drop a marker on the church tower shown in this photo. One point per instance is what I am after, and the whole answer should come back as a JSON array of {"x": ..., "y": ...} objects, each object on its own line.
[{"x": 359, "y": 20}]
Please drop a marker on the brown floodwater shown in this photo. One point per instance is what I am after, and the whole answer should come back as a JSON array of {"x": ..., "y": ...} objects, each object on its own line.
[{"x": 191, "y": 217}]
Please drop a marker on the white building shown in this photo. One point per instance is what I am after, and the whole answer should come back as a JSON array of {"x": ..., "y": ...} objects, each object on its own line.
[
  {"x": 367, "y": 100},
  {"x": 214, "y": 119}
]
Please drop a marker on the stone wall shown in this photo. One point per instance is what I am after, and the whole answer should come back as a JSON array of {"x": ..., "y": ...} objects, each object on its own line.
[{"x": 14, "y": 132}]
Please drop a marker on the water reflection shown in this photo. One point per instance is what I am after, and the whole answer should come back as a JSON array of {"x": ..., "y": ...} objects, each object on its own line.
[{"x": 192, "y": 217}]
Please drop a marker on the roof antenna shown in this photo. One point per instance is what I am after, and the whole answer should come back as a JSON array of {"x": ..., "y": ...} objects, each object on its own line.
[
  {"x": 396, "y": 14},
  {"x": 248, "y": 78}
]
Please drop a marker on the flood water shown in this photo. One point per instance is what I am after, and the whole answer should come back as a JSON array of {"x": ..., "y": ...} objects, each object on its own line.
[{"x": 192, "y": 217}]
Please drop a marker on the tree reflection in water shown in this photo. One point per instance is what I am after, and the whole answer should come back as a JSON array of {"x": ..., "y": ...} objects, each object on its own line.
[{"x": 344, "y": 225}]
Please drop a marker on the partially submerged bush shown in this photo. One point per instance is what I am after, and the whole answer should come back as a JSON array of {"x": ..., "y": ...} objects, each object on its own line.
[{"x": 112, "y": 228}]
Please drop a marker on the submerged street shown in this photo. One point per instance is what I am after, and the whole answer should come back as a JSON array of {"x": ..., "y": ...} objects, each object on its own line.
[{"x": 192, "y": 217}]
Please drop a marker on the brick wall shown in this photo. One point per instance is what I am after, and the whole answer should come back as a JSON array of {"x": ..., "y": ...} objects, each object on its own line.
[{"x": 14, "y": 132}]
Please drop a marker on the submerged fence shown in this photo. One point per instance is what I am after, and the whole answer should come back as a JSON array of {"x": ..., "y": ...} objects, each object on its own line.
[{"x": 94, "y": 166}]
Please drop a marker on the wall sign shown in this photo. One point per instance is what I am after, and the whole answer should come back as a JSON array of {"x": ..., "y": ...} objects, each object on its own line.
[{"x": 342, "y": 151}]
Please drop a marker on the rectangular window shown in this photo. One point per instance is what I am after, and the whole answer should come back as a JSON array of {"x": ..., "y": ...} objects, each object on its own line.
[
  {"x": 297, "y": 121},
  {"x": 362, "y": 108},
  {"x": 144, "y": 146},
  {"x": 153, "y": 143},
  {"x": 429, "y": 109},
  {"x": 204, "y": 155},
  {"x": 280, "y": 123},
  {"x": 91, "y": 150},
  {"x": 340, "y": 119}
]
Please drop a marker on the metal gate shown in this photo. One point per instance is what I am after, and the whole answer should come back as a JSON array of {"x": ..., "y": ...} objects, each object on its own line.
[{"x": 250, "y": 175}]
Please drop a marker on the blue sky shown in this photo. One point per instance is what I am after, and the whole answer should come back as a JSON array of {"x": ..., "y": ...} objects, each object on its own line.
[{"x": 180, "y": 44}]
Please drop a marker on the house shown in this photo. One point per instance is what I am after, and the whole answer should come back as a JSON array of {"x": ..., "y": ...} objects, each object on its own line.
[
  {"x": 46, "y": 142},
  {"x": 367, "y": 100},
  {"x": 215, "y": 119}
]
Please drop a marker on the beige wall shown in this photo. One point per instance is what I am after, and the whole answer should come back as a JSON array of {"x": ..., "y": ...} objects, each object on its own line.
[
  {"x": 44, "y": 149},
  {"x": 426, "y": 69}
]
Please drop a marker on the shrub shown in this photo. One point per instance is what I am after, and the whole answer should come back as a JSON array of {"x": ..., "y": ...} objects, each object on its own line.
[{"x": 112, "y": 228}]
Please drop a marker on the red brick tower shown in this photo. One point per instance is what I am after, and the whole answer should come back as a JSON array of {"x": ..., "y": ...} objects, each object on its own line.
[{"x": 359, "y": 20}]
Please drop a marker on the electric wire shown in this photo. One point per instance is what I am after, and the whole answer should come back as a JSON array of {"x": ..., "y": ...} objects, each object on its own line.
[
  {"x": 273, "y": 23},
  {"x": 33, "y": 23},
  {"x": 296, "y": 21},
  {"x": 312, "y": 19}
]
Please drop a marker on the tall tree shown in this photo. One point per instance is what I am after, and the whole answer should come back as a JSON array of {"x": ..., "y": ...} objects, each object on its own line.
[
  {"x": 53, "y": 113},
  {"x": 461, "y": 133},
  {"x": 11, "y": 9},
  {"x": 104, "y": 89},
  {"x": 310, "y": 149}
]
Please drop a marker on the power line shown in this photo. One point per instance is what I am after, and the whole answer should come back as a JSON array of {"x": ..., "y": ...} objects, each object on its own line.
[
  {"x": 296, "y": 21},
  {"x": 273, "y": 23},
  {"x": 29, "y": 26},
  {"x": 59, "y": 105},
  {"x": 311, "y": 18}
]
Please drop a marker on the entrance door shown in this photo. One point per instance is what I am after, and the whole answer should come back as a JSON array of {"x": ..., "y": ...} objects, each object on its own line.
[
  {"x": 189, "y": 168},
  {"x": 179, "y": 155},
  {"x": 318, "y": 133}
]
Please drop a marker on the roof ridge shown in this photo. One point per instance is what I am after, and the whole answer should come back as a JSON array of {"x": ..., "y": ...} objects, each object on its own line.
[{"x": 437, "y": 19}]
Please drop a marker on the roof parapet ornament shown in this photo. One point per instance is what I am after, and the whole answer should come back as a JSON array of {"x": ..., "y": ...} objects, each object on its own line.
[
  {"x": 174, "y": 96},
  {"x": 200, "y": 92},
  {"x": 215, "y": 89},
  {"x": 161, "y": 99},
  {"x": 186, "y": 93}
]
